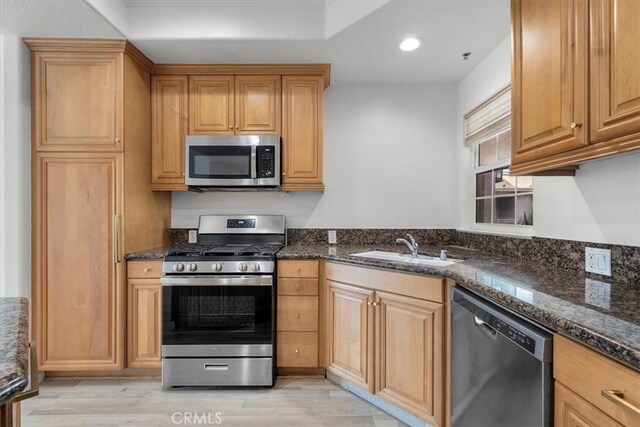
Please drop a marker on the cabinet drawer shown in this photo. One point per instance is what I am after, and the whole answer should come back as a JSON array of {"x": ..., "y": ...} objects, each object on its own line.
[
  {"x": 297, "y": 313},
  {"x": 299, "y": 286},
  {"x": 588, "y": 374},
  {"x": 298, "y": 349},
  {"x": 144, "y": 269},
  {"x": 298, "y": 269}
]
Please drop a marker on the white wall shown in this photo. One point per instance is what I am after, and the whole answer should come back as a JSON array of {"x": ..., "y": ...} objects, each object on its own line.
[
  {"x": 389, "y": 162},
  {"x": 15, "y": 169},
  {"x": 600, "y": 204}
]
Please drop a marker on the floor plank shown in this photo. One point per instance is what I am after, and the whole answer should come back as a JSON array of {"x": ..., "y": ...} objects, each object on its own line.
[{"x": 131, "y": 403}]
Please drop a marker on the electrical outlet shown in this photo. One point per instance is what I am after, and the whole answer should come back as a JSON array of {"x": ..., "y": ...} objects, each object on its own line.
[
  {"x": 332, "y": 238},
  {"x": 193, "y": 236},
  {"x": 597, "y": 261}
]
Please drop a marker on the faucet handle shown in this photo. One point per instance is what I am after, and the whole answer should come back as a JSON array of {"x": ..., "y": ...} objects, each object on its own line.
[{"x": 412, "y": 240}]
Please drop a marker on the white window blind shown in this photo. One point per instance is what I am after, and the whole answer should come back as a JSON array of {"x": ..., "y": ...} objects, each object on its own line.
[{"x": 492, "y": 116}]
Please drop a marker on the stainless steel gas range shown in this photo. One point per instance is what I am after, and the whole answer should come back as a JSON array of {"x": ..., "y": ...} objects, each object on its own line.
[{"x": 218, "y": 303}]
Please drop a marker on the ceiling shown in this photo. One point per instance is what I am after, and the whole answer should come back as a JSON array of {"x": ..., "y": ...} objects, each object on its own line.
[{"x": 359, "y": 38}]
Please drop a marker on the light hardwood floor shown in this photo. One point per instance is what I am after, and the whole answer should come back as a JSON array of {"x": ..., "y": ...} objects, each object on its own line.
[{"x": 291, "y": 403}]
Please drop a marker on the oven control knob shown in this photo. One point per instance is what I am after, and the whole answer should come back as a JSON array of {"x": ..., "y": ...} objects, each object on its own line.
[
  {"x": 242, "y": 266},
  {"x": 255, "y": 266},
  {"x": 216, "y": 266},
  {"x": 192, "y": 266},
  {"x": 178, "y": 266}
]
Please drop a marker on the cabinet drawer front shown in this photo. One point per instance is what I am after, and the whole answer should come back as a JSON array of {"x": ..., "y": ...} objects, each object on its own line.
[
  {"x": 144, "y": 269},
  {"x": 298, "y": 349},
  {"x": 298, "y": 269},
  {"x": 298, "y": 286},
  {"x": 589, "y": 374},
  {"x": 298, "y": 313},
  {"x": 572, "y": 411}
]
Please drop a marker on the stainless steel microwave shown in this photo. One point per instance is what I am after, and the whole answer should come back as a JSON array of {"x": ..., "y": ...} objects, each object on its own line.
[{"x": 232, "y": 161}]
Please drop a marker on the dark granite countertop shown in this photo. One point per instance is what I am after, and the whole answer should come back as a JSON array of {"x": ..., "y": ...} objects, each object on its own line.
[
  {"x": 14, "y": 346},
  {"x": 602, "y": 315}
]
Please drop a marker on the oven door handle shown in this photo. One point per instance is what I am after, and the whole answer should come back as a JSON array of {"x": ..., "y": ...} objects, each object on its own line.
[{"x": 264, "y": 280}]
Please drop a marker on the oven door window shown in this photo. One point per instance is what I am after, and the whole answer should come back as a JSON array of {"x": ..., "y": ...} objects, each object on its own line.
[
  {"x": 224, "y": 162},
  {"x": 217, "y": 315}
]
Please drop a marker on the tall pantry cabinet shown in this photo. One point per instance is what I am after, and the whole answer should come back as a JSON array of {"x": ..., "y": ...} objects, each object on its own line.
[{"x": 92, "y": 201}]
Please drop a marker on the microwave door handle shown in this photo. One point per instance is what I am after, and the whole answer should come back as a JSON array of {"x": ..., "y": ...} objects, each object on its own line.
[{"x": 254, "y": 162}]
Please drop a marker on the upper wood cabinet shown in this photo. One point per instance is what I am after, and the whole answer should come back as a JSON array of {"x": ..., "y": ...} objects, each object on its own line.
[
  {"x": 240, "y": 105},
  {"x": 549, "y": 77},
  {"x": 575, "y": 82},
  {"x": 77, "y": 99},
  {"x": 302, "y": 133},
  {"x": 615, "y": 69},
  {"x": 169, "y": 109}
]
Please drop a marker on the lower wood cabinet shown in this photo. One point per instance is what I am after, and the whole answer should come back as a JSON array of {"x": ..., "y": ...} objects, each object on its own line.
[
  {"x": 144, "y": 314},
  {"x": 573, "y": 411},
  {"x": 591, "y": 389},
  {"x": 297, "y": 317},
  {"x": 388, "y": 344}
]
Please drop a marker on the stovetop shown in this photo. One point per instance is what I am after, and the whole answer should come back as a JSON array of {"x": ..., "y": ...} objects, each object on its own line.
[{"x": 221, "y": 251}]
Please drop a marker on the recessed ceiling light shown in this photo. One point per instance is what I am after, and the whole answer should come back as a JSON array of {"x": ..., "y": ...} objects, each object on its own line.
[{"x": 410, "y": 43}]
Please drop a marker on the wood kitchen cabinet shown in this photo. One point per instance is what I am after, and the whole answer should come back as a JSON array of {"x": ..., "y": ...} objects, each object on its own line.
[
  {"x": 169, "y": 107},
  {"x": 91, "y": 119},
  {"x": 92, "y": 199},
  {"x": 144, "y": 314},
  {"x": 234, "y": 105},
  {"x": 302, "y": 133},
  {"x": 575, "y": 82},
  {"x": 386, "y": 333},
  {"x": 297, "y": 317},
  {"x": 591, "y": 389}
]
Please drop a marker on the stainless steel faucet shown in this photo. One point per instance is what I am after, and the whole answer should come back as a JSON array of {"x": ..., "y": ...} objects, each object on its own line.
[{"x": 411, "y": 244}]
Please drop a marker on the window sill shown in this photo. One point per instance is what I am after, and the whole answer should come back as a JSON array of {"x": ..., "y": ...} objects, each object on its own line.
[{"x": 522, "y": 232}]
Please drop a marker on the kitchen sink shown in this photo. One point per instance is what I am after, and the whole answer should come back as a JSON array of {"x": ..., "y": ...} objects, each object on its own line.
[{"x": 405, "y": 258}]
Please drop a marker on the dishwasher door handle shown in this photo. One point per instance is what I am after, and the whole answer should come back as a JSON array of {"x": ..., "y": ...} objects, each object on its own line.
[{"x": 484, "y": 328}]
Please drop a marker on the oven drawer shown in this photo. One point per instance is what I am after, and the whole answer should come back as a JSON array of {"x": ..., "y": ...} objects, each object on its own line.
[
  {"x": 297, "y": 313},
  {"x": 214, "y": 372}
]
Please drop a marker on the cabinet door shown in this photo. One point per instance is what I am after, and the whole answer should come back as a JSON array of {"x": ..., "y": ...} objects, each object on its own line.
[
  {"x": 302, "y": 124},
  {"x": 350, "y": 334},
  {"x": 409, "y": 354},
  {"x": 615, "y": 69},
  {"x": 78, "y": 295},
  {"x": 258, "y": 105},
  {"x": 169, "y": 103},
  {"x": 211, "y": 105},
  {"x": 77, "y": 101},
  {"x": 144, "y": 323},
  {"x": 572, "y": 411},
  {"x": 549, "y": 102}
]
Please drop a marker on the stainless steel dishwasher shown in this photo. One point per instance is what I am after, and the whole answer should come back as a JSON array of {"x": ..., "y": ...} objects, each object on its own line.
[{"x": 500, "y": 366}]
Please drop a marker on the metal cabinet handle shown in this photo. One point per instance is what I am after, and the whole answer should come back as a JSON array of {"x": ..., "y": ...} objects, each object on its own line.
[
  {"x": 116, "y": 239},
  {"x": 575, "y": 125},
  {"x": 617, "y": 397}
]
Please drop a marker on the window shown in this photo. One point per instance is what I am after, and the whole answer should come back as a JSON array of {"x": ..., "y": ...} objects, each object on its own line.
[{"x": 499, "y": 198}]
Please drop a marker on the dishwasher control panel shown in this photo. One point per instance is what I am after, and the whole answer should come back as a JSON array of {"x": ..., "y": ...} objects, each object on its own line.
[{"x": 515, "y": 335}]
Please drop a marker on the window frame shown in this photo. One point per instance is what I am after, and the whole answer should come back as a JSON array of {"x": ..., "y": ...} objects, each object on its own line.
[{"x": 492, "y": 228}]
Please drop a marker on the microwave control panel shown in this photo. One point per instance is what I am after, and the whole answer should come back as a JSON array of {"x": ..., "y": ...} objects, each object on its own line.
[{"x": 266, "y": 161}]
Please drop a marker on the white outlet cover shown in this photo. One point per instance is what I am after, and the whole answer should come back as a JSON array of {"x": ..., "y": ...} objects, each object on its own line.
[
  {"x": 597, "y": 261},
  {"x": 193, "y": 236},
  {"x": 331, "y": 237}
]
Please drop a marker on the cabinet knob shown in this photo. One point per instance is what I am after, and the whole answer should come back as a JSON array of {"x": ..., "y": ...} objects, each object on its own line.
[
  {"x": 231, "y": 127},
  {"x": 297, "y": 351},
  {"x": 117, "y": 141},
  {"x": 375, "y": 304},
  {"x": 146, "y": 270},
  {"x": 368, "y": 302},
  {"x": 237, "y": 127},
  {"x": 297, "y": 315},
  {"x": 283, "y": 174},
  {"x": 575, "y": 125},
  {"x": 298, "y": 287}
]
